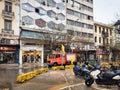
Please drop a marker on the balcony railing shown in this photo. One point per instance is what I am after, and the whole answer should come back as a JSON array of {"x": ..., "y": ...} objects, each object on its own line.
[
  {"x": 9, "y": 0},
  {"x": 4, "y": 31},
  {"x": 7, "y": 14}
]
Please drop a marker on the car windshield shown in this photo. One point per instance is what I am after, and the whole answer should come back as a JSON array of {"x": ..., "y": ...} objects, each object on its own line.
[{"x": 51, "y": 56}]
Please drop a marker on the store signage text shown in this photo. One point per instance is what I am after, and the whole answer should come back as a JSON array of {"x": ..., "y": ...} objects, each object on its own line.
[{"x": 3, "y": 48}]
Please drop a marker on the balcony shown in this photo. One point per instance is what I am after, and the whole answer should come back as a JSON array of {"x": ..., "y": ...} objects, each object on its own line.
[
  {"x": 7, "y": 14},
  {"x": 9, "y": 0},
  {"x": 10, "y": 32}
]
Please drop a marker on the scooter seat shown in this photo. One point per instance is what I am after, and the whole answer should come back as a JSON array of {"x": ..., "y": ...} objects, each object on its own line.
[{"x": 111, "y": 74}]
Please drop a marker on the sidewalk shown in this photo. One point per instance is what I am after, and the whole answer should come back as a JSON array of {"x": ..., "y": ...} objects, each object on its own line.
[{"x": 23, "y": 66}]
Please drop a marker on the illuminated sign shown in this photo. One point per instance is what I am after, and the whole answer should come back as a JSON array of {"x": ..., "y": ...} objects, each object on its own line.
[{"x": 3, "y": 48}]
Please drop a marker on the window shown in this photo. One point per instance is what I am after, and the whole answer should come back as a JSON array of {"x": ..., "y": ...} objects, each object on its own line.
[
  {"x": 110, "y": 32},
  {"x": 51, "y": 14},
  {"x": 76, "y": 4},
  {"x": 84, "y": 34},
  {"x": 70, "y": 2},
  {"x": 70, "y": 22},
  {"x": 99, "y": 29},
  {"x": 57, "y": 55},
  {"x": 61, "y": 6},
  {"x": 51, "y": 3},
  {"x": 95, "y": 39},
  {"x": 8, "y": 6},
  {"x": 70, "y": 11},
  {"x": 8, "y": 25},
  {"x": 36, "y": 10},
  {"x": 77, "y": 14},
  {"x": 95, "y": 28},
  {"x": 42, "y": 11},
  {"x": 90, "y": 26},
  {"x": 70, "y": 32},
  {"x": 27, "y": 20},
  {"x": 90, "y": 35},
  {"x": 99, "y": 39},
  {"x": 5, "y": 41},
  {"x": 107, "y": 41},
  {"x": 110, "y": 41},
  {"x": 90, "y": 1},
  {"x": 27, "y": 7},
  {"x": 61, "y": 16}
]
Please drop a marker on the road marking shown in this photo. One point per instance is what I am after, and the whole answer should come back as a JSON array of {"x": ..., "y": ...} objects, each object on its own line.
[{"x": 74, "y": 85}]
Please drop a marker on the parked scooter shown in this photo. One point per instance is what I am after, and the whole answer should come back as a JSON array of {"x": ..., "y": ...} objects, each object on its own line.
[
  {"x": 103, "y": 78},
  {"x": 81, "y": 71}
]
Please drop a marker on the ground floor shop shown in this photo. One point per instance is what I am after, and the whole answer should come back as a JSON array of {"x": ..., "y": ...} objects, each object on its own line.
[
  {"x": 9, "y": 54},
  {"x": 31, "y": 51}
]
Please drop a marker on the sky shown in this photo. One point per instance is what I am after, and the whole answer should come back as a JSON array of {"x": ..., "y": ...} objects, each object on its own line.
[{"x": 106, "y": 11}]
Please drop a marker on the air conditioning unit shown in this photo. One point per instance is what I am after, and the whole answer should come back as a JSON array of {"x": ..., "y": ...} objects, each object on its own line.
[
  {"x": 63, "y": 0},
  {"x": 23, "y": 23}
]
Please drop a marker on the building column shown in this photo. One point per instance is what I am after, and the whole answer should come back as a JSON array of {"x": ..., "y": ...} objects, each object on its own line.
[
  {"x": 20, "y": 55},
  {"x": 42, "y": 56}
]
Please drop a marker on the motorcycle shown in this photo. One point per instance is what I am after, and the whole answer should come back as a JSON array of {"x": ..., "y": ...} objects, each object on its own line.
[
  {"x": 103, "y": 78},
  {"x": 80, "y": 71}
]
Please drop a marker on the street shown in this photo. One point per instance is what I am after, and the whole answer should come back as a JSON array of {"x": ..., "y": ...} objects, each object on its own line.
[{"x": 52, "y": 80}]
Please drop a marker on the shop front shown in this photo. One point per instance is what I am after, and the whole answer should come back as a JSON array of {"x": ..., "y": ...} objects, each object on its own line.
[
  {"x": 9, "y": 54},
  {"x": 31, "y": 54}
]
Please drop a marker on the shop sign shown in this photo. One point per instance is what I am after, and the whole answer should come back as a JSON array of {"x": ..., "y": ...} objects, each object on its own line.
[
  {"x": 4, "y": 48},
  {"x": 99, "y": 52}
]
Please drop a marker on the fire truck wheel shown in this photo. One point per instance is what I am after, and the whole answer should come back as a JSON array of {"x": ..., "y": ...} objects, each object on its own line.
[{"x": 55, "y": 64}]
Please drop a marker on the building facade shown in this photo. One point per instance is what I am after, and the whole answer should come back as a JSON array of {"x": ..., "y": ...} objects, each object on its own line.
[
  {"x": 41, "y": 23},
  {"x": 104, "y": 41},
  {"x": 9, "y": 32},
  {"x": 79, "y": 14},
  {"x": 117, "y": 41}
]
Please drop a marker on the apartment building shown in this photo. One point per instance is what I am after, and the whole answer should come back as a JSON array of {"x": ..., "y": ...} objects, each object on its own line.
[
  {"x": 80, "y": 27},
  {"x": 9, "y": 32},
  {"x": 117, "y": 41},
  {"x": 104, "y": 41},
  {"x": 42, "y": 22}
]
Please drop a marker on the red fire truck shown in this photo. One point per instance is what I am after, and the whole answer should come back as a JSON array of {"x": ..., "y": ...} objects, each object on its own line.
[{"x": 61, "y": 58}]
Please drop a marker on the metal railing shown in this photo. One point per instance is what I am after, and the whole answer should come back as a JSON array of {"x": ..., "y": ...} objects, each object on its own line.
[
  {"x": 7, "y": 14},
  {"x": 5, "y": 31}
]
